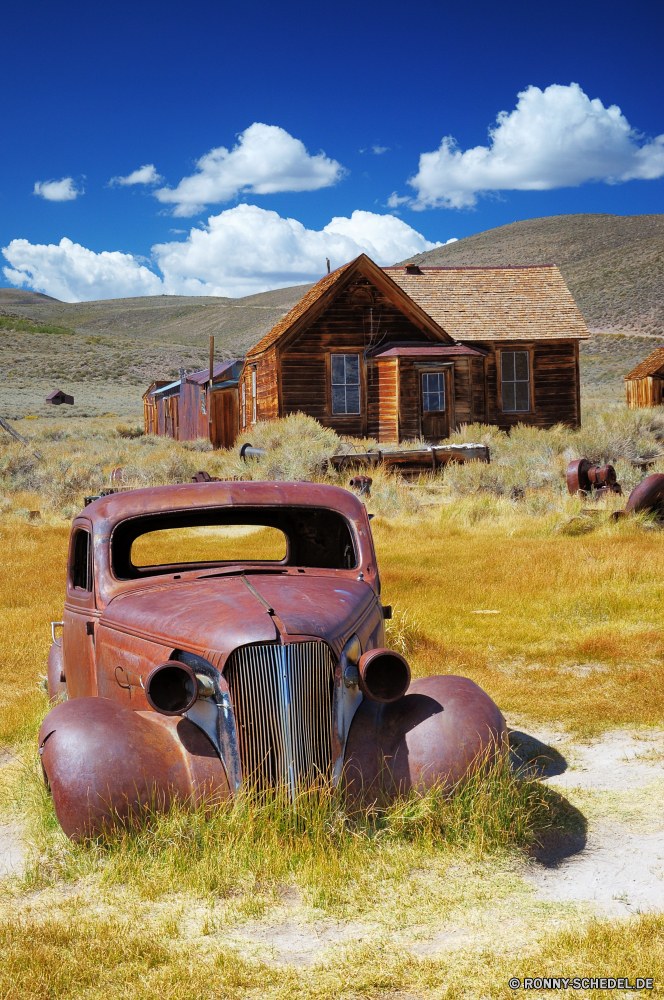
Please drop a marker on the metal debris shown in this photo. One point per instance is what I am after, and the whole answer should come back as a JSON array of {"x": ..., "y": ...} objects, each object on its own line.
[
  {"x": 362, "y": 485},
  {"x": 204, "y": 477},
  {"x": 648, "y": 496},
  {"x": 248, "y": 451},
  {"x": 598, "y": 480}
]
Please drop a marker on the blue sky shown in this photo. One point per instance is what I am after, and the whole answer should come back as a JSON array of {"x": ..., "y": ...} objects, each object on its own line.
[{"x": 352, "y": 97}]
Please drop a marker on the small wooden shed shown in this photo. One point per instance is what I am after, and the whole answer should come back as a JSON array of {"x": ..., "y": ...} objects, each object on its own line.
[
  {"x": 643, "y": 385},
  {"x": 186, "y": 410},
  {"x": 58, "y": 396},
  {"x": 150, "y": 406}
]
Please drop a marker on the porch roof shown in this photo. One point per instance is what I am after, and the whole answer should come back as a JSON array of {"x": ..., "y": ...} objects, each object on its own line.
[{"x": 428, "y": 351}]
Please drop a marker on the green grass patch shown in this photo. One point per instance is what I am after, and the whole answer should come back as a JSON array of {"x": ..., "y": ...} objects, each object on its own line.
[{"x": 25, "y": 326}]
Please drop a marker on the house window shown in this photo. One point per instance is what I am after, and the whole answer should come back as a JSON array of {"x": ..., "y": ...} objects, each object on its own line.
[
  {"x": 203, "y": 409},
  {"x": 253, "y": 396},
  {"x": 244, "y": 404},
  {"x": 433, "y": 392},
  {"x": 81, "y": 571},
  {"x": 345, "y": 374},
  {"x": 515, "y": 381}
]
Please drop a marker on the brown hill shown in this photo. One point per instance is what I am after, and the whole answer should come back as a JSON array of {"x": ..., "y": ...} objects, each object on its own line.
[
  {"x": 168, "y": 319},
  {"x": 613, "y": 264},
  {"x": 106, "y": 353}
]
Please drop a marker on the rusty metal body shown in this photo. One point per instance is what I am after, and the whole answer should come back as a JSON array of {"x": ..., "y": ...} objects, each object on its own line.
[
  {"x": 362, "y": 485},
  {"x": 647, "y": 496},
  {"x": 187, "y": 680},
  {"x": 584, "y": 478}
]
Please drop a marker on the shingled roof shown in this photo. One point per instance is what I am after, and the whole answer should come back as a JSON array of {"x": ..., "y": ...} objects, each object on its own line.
[
  {"x": 325, "y": 291},
  {"x": 651, "y": 365},
  {"x": 495, "y": 303}
]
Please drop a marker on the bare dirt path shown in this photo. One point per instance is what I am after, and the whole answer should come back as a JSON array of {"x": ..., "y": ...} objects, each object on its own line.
[{"x": 617, "y": 781}]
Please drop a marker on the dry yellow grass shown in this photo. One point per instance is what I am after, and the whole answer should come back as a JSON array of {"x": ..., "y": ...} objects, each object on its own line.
[{"x": 569, "y": 627}]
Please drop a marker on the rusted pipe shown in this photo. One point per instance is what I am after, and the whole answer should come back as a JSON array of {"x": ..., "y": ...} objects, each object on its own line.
[
  {"x": 248, "y": 451},
  {"x": 583, "y": 478},
  {"x": 384, "y": 675}
]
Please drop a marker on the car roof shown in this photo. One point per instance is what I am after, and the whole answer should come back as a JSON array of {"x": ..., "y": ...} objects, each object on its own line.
[{"x": 110, "y": 510}]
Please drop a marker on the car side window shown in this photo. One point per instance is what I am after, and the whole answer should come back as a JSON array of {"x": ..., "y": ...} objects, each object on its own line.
[{"x": 81, "y": 571}]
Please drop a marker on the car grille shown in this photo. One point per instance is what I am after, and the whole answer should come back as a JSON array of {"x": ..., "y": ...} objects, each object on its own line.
[{"x": 282, "y": 697}]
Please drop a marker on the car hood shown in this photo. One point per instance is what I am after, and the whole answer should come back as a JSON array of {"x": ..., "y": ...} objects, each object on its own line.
[{"x": 222, "y": 613}]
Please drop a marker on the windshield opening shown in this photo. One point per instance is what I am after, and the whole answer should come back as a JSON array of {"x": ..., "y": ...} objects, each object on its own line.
[{"x": 226, "y": 536}]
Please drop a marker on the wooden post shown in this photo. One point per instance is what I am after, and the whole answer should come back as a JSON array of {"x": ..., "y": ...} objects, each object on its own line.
[{"x": 210, "y": 388}]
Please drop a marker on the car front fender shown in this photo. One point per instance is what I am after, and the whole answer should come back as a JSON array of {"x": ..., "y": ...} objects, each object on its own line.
[
  {"x": 436, "y": 734},
  {"x": 105, "y": 763}
]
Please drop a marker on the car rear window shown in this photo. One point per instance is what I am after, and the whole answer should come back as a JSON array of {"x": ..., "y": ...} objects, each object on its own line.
[{"x": 222, "y": 536}]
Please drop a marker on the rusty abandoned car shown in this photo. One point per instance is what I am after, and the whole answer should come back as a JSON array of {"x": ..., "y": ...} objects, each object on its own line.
[{"x": 221, "y": 634}]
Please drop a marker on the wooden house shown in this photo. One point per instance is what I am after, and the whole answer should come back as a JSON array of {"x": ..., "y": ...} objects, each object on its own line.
[
  {"x": 408, "y": 352},
  {"x": 186, "y": 410},
  {"x": 643, "y": 385}
]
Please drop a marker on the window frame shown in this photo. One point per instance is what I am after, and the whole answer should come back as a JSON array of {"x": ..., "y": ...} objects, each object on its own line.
[
  {"x": 441, "y": 373},
  {"x": 254, "y": 409},
  {"x": 76, "y": 587},
  {"x": 528, "y": 351},
  {"x": 330, "y": 384},
  {"x": 244, "y": 403}
]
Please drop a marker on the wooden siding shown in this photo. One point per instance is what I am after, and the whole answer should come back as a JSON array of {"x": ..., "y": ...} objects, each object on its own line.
[
  {"x": 554, "y": 384},
  {"x": 383, "y": 399},
  {"x": 410, "y": 408},
  {"x": 463, "y": 392},
  {"x": 642, "y": 392},
  {"x": 267, "y": 390},
  {"x": 225, "y": 417},
  {"x": 150, "y": 416},
  {"x": 193, "y": 423},
  {"x": 344, "y": 328}
]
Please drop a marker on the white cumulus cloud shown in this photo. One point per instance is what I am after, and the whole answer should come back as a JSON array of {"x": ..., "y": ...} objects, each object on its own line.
[
  {"x": 62, "y": 190},
  {"x": 144, "y": 175},
  {"x": 247, "y": 249},
  {"x": 72, "y": 273},
  {"x": 554, "y": 138},
  {"x": 241, "y": 251},
  {"x": 265, "y": 160}
]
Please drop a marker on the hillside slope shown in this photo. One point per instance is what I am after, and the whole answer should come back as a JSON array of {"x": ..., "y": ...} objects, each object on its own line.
[
  {"x": 106, "y": 353},
  {"x": 168, "y": 319},
  {"x": 613, "y": 264}
]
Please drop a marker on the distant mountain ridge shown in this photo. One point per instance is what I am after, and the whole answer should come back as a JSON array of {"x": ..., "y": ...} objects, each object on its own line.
[{"x": 613, "y": 264}]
